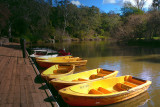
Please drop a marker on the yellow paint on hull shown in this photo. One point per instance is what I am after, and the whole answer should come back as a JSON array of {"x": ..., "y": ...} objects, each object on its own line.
[
  {"x": 115, "y": 90},
  {"x": 73, "y": 60}
]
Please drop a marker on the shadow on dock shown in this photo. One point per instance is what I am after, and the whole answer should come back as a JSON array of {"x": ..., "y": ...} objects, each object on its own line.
[
  {"x": 12, "y": 46},
  {"x": 38, "y": 79},
  {"x": 43, "y": 87}
]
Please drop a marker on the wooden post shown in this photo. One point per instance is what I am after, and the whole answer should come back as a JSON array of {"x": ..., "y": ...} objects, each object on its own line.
[{"x": 23, "y": 47}]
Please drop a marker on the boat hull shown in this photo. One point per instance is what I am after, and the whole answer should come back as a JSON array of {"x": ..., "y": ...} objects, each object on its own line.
[
  {"x": 46, "y": 57},
  {"x": 100, "y": 101},
  {"x": 48, "y": 63},
  {"x": 74, "y": 98}
]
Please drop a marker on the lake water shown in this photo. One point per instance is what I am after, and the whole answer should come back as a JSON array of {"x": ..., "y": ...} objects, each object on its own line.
[{"x": 142, "y": 62}]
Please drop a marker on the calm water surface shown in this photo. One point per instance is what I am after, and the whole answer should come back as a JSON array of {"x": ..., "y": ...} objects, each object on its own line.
[{"x": 142, "y": 62}]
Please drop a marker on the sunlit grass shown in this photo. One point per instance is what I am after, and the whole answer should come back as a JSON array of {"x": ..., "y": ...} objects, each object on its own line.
[{"x": 156, "y": 38}]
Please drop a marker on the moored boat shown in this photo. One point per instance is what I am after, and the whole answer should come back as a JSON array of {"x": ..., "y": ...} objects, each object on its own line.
[
  {"x": 46, "y": 56},
  {"x": 56, "y": 71},
  {"x": 42, "y": 52},
  {"x": 50, "y": 57},
  {"x": 62, "y": 52},
  {"x": 73, "y": 60},
  {"x": 105, "y": 91},
  {"x": 82, "y": 77},
  {"x": 38, "y": 52}
]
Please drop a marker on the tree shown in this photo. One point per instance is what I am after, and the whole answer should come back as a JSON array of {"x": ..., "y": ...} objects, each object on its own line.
[
  {"x": 133, "y": 28},
  {"x": 129, "y": 9},
  {"x": 109, "y": 22},
  {"x": 153, "y": 25},
  {"x": 28, "y": 18},
  {"x": 140, "y": 3},
  {"x": 156, "y": 4},
  {"x": 63, "y": 4},
  {"x": 4, "y": 16}
]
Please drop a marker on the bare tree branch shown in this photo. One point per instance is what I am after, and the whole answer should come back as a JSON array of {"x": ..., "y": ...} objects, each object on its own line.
[{"x": 140, "y": 3}]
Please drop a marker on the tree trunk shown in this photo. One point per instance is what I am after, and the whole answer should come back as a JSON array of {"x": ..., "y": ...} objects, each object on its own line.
[
  {"x": 65, "y": 24},
  {"x": 9, "y": 31}
]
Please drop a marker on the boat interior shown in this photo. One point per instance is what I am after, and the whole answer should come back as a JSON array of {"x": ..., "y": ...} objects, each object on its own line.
[
  {"x": 59, "y": 69},
  {"x": 88, "y": 75},
  {"x": 109, "y": 86}
]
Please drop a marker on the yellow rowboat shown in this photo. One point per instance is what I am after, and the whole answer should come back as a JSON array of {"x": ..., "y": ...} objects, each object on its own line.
[
  {"x": 82, "y": 77},
  {"x": 104, "y": 92},
  {"x": 56, "y": 71},
  {"x": 48, "y": 63},
  {"x": 56, "y": 57}
]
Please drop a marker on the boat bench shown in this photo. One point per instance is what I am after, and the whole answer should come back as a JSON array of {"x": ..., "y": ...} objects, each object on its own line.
[
  {"x": 80, "y": 79},
  {"x": 60, "y": 71},
  {"x": 126, "y": 85},
  {"x": 100, "y": 90},
  {"x": 130, "y": 84},
  {"x": 94, "y": 76},
  {"x": 122, "y": 86}
]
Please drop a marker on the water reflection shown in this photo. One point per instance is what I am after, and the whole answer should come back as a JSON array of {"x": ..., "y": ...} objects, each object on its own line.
[
  {"x": 146, "y": 75},
  {"x": 102, "y": 49},
  {"x": 152, "y": 58}
]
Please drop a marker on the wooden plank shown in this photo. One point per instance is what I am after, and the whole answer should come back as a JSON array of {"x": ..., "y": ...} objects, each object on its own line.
[
  {"x": 18, "y": 80},
  {"x": 8, "y": 105},
  {"x": 43, "y": 104},
  {"x": 3, "y": 68},
  {"x": 36, "y": 98},
  {"x": 17, "y": 94},
  {"x": 7, "y": 87},
  {"x": 17, "y": 76},
  {"x": 16, "y": 105},
  {"x": 23, "y": 97},
  {"x": 8, "y": 77},
  {"x": 21, "y": 60},
  {"x": 17, "y": 89},
  {"x": 2, "y": 59},
  {"x": 31, "y": 105},
  {"x": 3, "y": 105},
  {"x": 37, "y": 105},
  {"x": 50, "y": 105},
  {"x": 10, "y": 98},
  {"x": 29, "y": 96},
  {"x": 24, "y": 105},
  {"x": 3, "y": 98}
]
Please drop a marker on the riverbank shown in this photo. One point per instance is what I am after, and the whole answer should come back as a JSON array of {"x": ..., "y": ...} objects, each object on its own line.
[
  {"x": 155, "y": 43},
  {"x": 41, "y": 43}
]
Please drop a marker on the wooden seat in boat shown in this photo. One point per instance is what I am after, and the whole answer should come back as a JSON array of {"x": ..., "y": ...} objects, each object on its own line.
[
  {"x": 100, "y": 90},
  {"x": 80, "y": 79}
]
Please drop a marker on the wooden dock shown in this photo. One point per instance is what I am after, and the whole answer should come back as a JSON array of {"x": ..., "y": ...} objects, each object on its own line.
[{"x": 20, "y": 83}]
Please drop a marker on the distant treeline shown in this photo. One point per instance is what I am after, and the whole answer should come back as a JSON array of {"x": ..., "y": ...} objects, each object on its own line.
[{"x": 38, "y": 20}]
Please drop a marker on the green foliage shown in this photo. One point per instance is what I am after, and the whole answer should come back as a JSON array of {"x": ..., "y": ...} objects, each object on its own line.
[
  {"x": 4, "y": 16},
  {"x": 29, "y": 16},
  {"x": 156, "y": 5},
  {"x": 129, "y": 9},
  {"x": 153, "y": 25},
  {"x": 39, "y": 20}
]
